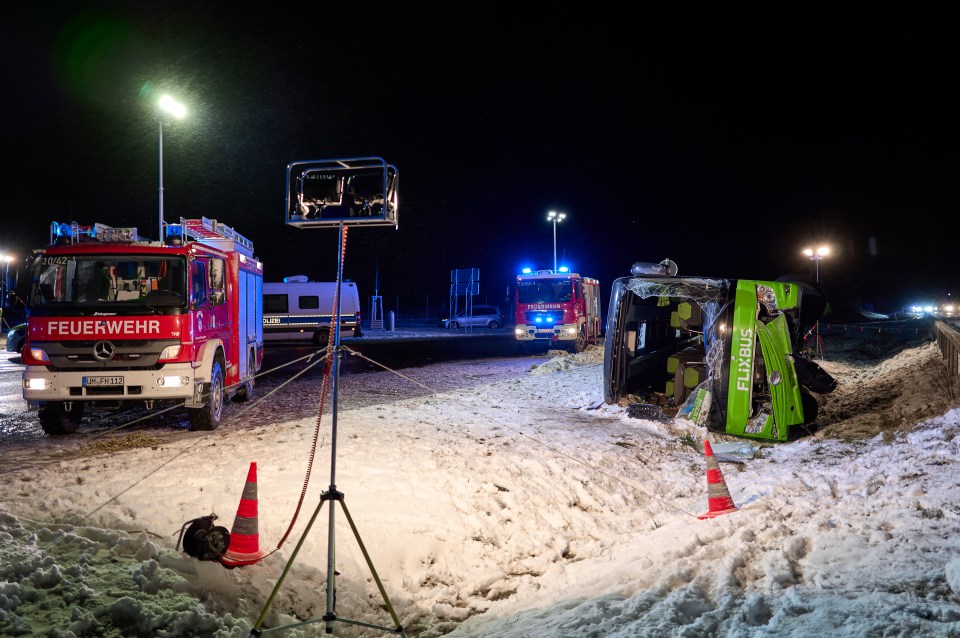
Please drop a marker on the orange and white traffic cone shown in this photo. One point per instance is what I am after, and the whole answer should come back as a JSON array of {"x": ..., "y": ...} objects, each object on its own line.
[
  {"x": 244, "y": 547},
  {"x": 718, "y": 496}
]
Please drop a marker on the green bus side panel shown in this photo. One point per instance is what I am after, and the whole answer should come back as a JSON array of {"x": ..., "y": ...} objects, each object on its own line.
[
  {"x": 773, "y": 340},
  {"x": 743, "y": 345},
  {"x": 785, "y": 395}
]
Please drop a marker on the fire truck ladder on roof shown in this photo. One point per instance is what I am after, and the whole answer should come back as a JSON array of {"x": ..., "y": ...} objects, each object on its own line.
[{"x": 205, "y": 228}]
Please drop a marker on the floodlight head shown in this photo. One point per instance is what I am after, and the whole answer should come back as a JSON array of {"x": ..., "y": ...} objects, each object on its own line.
[
  {"x": 817, "y": 253},
  {"x": 170, "y": 106},
  {"x": 360, "y": 191}
]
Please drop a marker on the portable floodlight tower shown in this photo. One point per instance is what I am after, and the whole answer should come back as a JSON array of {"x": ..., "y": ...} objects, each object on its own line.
[{"x": 338, "y": 193}]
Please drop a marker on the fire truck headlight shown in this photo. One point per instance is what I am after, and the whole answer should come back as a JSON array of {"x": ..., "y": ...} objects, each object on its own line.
[
  {"x": 570, "y": 331},
  {"x": 170, "y": 352},
  {"x": 39, "y": 355},
  {"x": 37, "y": 384},
  {"x": 518, "y": 331},
  {"x": 172, "y": 382}
]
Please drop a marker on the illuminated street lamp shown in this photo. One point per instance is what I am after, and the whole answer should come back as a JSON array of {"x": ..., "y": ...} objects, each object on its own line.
[
  {"x": 168, "y": 107},
  {"x": 815, "y": 255},
  {"x": 556, "y": 218}
]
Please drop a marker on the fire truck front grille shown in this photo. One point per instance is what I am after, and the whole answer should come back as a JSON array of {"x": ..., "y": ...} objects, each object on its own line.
[
  {"x": 110, "y": 391},
  {"x": 544, "y": 318},
  {"x": 118, "y": 356}
]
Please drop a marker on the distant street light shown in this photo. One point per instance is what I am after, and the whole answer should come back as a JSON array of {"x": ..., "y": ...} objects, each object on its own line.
[
  {"x": 816, "y": 254},
  {"x": 167, "y": 106},
  {"x": 556, "y": 218}
]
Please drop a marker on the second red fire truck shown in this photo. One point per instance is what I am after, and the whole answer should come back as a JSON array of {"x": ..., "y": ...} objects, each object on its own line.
[
  {"x": 557, "y": 309},
  {"x": 114, "y": 320}
]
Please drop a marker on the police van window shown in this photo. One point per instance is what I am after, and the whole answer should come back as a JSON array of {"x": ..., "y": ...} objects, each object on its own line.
[
  {"x": 309, "y": 302},
  {"x": 198, "y": 284},
  {"x": 275, "y": 304}
]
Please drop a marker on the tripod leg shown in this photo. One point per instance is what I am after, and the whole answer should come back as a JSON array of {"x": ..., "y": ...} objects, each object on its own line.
[
  {"x": 255, "y": 631},
  {"x": 366, "y": 557}
]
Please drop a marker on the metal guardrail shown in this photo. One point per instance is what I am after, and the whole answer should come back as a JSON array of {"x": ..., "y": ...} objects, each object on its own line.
[{"x": 948, "y": 340}]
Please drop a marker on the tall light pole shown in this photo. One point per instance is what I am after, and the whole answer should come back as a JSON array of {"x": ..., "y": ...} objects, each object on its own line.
[
  {"x": 556, "y": 218},
  {"x": 816, "y": 254},
  {"x": 4, "y": 288},
  {"x": 168, "y": 107}
]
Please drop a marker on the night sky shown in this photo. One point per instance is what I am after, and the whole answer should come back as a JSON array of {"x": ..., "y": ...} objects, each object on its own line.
[{"x": 726, "y": 138}]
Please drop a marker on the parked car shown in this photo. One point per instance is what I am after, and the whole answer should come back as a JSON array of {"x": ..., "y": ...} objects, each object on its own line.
[
  {"x": 16, "y": 337},
  {"x": 481, "y": 316}
]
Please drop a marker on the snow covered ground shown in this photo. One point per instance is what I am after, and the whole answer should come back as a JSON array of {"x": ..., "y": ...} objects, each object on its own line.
[{"x": 519, "y": 508}]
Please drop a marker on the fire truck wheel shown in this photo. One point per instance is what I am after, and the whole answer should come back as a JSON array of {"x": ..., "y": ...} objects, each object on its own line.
[
  {"x": 209, "y": 416},
  {"x": 54, "y": 418},
  {"x": 245, "y": 392},
  {"x": 321, "y": 337},
  {"x": 581, "y": 343}
]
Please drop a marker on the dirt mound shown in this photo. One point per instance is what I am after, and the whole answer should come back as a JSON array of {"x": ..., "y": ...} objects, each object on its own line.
[{"x": 889, "y": 378}]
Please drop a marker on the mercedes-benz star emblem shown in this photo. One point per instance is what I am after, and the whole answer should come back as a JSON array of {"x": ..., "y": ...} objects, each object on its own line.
[{"x": 103, "y": 350}]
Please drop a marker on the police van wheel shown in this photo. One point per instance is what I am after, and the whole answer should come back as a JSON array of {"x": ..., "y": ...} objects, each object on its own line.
[
  {"x": 56, "y": 419},
  {"x": 321, "y": 337},
  {"x": 209, "y": 416}
]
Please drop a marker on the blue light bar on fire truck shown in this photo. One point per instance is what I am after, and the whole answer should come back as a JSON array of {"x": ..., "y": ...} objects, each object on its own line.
[{"x": 74, "y": 232}]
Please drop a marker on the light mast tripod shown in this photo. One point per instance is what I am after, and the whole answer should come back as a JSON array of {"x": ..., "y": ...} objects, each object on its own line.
[{"x": 333, "y": 495}]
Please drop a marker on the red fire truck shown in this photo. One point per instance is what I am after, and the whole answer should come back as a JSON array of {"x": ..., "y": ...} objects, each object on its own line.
[
  {"x": 556, "y": 308},
  {"x": 114, "y": 320}
]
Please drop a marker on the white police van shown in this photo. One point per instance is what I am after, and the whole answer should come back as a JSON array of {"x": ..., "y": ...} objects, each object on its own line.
[{"x": 299, "y": 309}]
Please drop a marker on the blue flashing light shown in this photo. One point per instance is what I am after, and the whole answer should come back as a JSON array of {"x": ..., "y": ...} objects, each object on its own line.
[
  {"x": 526, "y": 271},
  {"x": 563, "y": 269},
  {"x": 61, "y": 230}
]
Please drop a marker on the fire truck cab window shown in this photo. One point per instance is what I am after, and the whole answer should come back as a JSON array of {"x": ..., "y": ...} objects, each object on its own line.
[
  {"x": 217, "y": 278},
  {"x": 198, "y": 285}
]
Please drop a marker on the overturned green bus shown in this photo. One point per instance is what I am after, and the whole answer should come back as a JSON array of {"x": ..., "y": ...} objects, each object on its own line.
[{"x": 726, "y": 351}]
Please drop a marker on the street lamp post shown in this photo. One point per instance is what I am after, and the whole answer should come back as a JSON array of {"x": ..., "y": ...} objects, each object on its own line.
[
  {"x": 4, "y": 288},
  {"x": 167, "y": 106},
  {"x": 815, "y": 255},
  {"x": 556, "y": 218}
]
